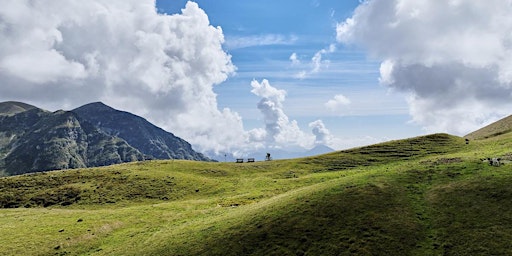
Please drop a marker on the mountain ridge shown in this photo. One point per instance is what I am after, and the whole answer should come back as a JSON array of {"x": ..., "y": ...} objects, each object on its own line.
[
  {"x": 138, "y": 132},
  {"x": 34, "y": 140},
  {"x": 41, "y": 141}
]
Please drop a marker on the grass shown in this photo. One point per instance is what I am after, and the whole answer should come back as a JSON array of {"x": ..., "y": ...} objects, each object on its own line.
[
  {"x": 500, "y": 127},
  {"x": 428, "y": 195}
]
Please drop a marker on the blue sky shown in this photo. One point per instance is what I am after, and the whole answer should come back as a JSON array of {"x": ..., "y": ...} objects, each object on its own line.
[{"x": 262, "y": 35}]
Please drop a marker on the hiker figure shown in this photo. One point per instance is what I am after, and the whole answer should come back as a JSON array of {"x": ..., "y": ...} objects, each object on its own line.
[{"x": 268, "y": 158}]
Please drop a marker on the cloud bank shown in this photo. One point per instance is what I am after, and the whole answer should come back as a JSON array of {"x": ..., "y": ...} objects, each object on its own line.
[
  {"x": 62, "y": 54},
  {"x": 452, "y": 57}
]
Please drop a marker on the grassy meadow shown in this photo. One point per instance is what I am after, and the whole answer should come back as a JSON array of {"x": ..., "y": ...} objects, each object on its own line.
[{"x": 430, "y": 195}]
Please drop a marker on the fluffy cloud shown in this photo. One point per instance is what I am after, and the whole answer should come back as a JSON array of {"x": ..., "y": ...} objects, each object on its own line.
[
  {"x": 337, "y": 103},
  {"x": 294, "y": 59},
  {"x": 324, "y": 137},
  {"x": 279, "y": 131},
  {"x": 61, "y": 54},
  {"x": 322, "y": 134},
  {"x": 453, "y": 57}
]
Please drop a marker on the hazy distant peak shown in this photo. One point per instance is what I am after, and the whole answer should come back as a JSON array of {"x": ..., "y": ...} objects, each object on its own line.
[{"x": 320, "y": 149}]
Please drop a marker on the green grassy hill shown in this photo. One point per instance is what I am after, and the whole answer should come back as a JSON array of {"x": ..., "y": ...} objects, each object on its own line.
[
  {"x": 430, "y": 195},
  {"x": 501, "y": 126}
]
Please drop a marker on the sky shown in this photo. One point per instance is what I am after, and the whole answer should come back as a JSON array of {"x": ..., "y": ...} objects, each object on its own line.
[{"x": 241, "y": 76}]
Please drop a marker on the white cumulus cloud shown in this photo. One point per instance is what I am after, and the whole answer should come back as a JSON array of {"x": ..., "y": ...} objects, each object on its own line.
[
  {"x": 452, "y": 57},
  {"x": 60, "y": 54},
  {"x": 322, "y": 134},
  {"x": 337, "y": 103},
  {"x": 279, "y": 130}
]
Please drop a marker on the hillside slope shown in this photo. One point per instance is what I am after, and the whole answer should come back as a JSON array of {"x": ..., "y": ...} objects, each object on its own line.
[
  {"x": 499, "y": 127},
  {"x": 428, "y": 195}
]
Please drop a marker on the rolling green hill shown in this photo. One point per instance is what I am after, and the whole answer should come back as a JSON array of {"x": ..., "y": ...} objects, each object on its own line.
[
  {"x": 501, "y": 126},
  {"x": 430, "y": 195}
]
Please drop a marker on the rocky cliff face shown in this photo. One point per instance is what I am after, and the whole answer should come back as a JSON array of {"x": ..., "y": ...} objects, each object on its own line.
[
  {"x": 37, "y": 140},
  {"x": 138, "y": 132},
  {"x": 33, "y": 140}
]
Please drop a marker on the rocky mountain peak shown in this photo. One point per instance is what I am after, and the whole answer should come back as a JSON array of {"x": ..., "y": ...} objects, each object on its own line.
[
  {"x": 97, "y": 106},
  {"x": 138, "y": 132}
]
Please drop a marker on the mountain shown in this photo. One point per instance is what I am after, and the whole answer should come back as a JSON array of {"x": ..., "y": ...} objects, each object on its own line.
[
  {"x": 34, "y": 140},
  {"x": 13, "y": 107},
  {"x": 319, "y": 150},
  {"x": 138, "y": 132},
  {"x": 499, "y": 127},
  {"x": 37, "y": 140}
]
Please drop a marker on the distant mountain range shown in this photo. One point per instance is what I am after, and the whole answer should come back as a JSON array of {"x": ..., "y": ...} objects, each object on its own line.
[{"x": 33, "y": 139}]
